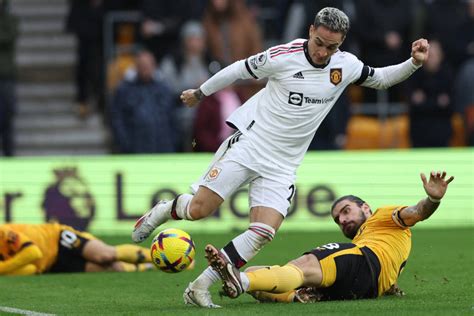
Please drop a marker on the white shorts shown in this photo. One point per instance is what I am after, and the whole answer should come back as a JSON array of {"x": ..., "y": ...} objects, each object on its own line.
[{"x": 235, "y": 164}]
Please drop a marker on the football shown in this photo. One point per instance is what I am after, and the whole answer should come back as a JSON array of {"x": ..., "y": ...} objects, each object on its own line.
[{"x": 172, "y": 250}]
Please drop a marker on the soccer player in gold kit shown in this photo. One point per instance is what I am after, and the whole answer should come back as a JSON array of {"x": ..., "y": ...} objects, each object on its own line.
[
  {"x": 366, "y": 268},
  {"x": 48, "y": 248}
]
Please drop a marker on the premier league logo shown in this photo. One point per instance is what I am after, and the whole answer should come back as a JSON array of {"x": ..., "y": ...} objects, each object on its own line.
[{"x": 68, "y": 200}]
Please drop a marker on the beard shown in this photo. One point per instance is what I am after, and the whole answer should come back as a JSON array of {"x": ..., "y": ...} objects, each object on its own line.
[{"x": 350, "y": 229}]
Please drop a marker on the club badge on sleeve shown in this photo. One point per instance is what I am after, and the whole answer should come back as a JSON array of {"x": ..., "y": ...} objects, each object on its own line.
[{"x": 213, "y": 174}]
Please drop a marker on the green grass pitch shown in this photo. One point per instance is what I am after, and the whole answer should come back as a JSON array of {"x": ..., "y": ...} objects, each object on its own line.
[{"x": 438, "y": 280}]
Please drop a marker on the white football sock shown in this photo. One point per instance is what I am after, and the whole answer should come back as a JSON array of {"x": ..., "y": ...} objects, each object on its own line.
[
  {"x": 207, "y": 278},
  {"x": 249, "y": 243},
  {"x": 239, "y": 251},
  {"x": 182, "y": 206}
]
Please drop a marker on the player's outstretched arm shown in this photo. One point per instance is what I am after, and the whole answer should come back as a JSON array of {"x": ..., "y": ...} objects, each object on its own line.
[
  {"x": 386, "y": 77},
  {"x": 224, "y": 78},
  {"x": 435, "y": 188}
]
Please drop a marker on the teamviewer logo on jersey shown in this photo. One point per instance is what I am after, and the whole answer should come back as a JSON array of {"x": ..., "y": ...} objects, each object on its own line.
[{"x": 295, "y": 98}]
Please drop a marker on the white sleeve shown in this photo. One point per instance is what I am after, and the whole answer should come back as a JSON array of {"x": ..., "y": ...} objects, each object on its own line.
[
  {"x": 385, "y": 77},
  {"x": 226, "y": 77}
]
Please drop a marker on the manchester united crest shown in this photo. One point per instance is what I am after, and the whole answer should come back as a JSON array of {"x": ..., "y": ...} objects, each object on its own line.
[
  {"x": 213, "y": 174},
  {"x": 335, "y": 76}
]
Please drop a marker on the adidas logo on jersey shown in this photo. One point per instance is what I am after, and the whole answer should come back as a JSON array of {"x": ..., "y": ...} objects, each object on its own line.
[{"x": 298, "y": 75}]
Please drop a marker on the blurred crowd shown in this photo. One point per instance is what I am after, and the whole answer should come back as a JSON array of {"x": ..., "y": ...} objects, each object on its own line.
[{"x": 177, "y": 45}]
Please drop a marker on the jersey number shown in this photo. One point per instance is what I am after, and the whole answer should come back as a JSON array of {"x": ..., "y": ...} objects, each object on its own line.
[
  {"x": 292, "y": 189},
  {"x": 331, "y": 246},
  {"x": 68, "y": 238}
]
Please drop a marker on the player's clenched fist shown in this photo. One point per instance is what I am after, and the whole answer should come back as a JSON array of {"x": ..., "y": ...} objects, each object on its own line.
[
  {"x": 191, "y": 97},
  {"x": 419, "y": 51}
]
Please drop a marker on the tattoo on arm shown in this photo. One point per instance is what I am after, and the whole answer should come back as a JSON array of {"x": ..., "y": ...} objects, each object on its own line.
[
  {"x": 198, "y": 94},
  {"x": 419, "y": 212},
  {"x": 425, "y": 208}
]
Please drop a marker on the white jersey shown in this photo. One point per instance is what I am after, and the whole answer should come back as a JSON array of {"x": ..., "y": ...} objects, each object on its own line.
[{"x": 281, "y": 119}]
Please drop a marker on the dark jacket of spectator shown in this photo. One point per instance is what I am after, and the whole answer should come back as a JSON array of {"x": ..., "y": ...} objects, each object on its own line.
[
  {"x": 210, "y": 127},
  {"x": 141, "y": 117},
  {"x": 431, "y": 102},
  {"x": 162, "y": 21},
  {"x": 8, "y": 35}
]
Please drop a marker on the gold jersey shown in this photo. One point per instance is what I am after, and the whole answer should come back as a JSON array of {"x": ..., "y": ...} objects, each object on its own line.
[
  {"x": 14, "y": 237},
  {"x": 385, "y": 234}
]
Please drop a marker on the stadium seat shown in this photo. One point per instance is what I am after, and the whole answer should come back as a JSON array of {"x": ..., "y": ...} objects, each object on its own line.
[
  {"x": 364, "y": 132},
  {"x": 458, "y": 139}
]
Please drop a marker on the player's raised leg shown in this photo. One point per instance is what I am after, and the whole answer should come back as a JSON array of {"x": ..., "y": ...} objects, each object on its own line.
[
  {"x": 184, "y": 206},
  {"x": 264, "y": 223}
]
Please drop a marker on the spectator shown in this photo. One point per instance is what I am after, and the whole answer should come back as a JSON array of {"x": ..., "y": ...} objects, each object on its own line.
[
  {"x": 431, "y": 106},
  {"x": 85, "y": 22},
  {"x": 8, "y": 34},
  {"x": 383, "y": 29},
  {"x": 464, "y": 39},
  {"x": 232, "y": 34},
  {"x": 437, "y": 12},
  {"x": 162, "y": 23},
  {"x": 189, "y": 68},
  {"x": 142, "y": 110},
  {"x": 271, "y": 15},
  {"x": 210, "y": 128},
  {"x": 465, "y": 98}
]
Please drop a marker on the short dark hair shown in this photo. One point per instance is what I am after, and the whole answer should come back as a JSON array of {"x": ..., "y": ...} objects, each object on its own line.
[
  {"x": 357, "y": 200},
  {"x": 334, "y": 19}
]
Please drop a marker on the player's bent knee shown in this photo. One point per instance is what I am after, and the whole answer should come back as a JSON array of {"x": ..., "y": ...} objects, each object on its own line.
[
  {"x": 311, "y": 269},
  {"x": 98, "y": 252}
]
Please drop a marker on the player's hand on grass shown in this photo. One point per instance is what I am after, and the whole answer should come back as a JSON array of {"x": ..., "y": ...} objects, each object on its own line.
[
  {"x": 419, "y": 51},
  {"x": 437, "y": 185},
  {"x": 191, "y": 97}
]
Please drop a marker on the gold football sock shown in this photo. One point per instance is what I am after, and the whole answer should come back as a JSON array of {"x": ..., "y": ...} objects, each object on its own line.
[
  {"x": 275, "y": 279},
  {"x": 132, "y": 253},
  {"x": 262, "y": 296},
  {"x": 130, "y": 267}
]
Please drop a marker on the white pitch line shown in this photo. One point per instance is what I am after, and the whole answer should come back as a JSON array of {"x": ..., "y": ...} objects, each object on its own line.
[{"x": 22, "y": 311}]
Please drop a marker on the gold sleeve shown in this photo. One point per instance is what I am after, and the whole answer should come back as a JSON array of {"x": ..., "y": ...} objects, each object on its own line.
[{"x": 27, "y": 255}]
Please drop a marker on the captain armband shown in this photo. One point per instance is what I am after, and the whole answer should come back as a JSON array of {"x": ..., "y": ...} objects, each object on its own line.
[{"x": 398, "y": 220}]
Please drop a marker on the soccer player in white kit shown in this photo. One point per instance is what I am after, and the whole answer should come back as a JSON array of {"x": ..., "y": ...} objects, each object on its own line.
[{"x": 274, "y": 130}]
